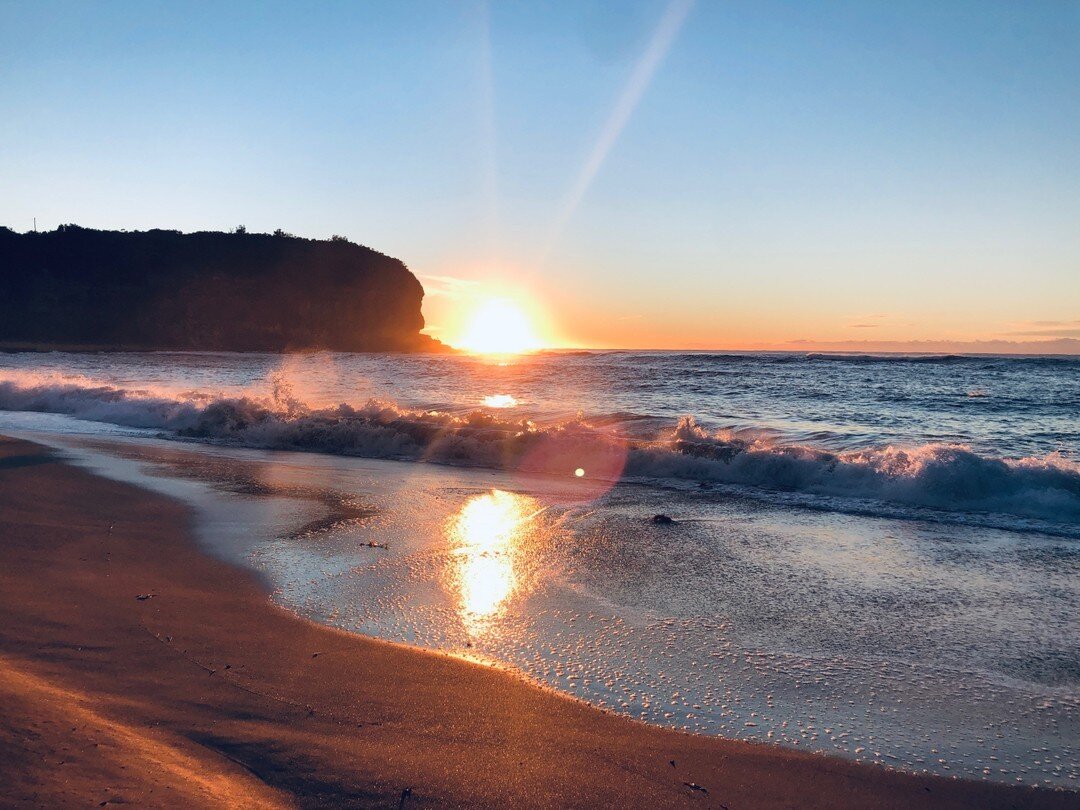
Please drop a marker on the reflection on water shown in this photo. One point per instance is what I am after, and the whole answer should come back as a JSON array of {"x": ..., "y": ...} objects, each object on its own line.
[
  {"x": 499, "y": 401},
  {"x": 487, "y": 536}
]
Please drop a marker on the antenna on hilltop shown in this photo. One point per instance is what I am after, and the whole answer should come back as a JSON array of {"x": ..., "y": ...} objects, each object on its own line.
[{"x": 35, "y": 224}]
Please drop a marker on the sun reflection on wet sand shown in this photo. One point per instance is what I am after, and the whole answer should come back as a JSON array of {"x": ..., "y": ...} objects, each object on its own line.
[{"x": 487, "y": 535}]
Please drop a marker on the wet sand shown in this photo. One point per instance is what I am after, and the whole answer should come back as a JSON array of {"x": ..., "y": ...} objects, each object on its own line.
[{"x": 134, "y": 668}]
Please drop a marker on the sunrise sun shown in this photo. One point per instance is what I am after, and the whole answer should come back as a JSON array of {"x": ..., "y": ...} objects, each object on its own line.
[{"x": 499, "y": 326}]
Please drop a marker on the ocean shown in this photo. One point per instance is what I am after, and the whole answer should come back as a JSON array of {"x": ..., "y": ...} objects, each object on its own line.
[{"x": 871, "y": 556}]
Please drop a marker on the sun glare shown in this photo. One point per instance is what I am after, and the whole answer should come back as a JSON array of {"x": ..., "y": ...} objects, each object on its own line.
[
  {"x": 487, "y": 533},
  {"x": 499, "y": 326},
  {"x": 499, "y": 401}
]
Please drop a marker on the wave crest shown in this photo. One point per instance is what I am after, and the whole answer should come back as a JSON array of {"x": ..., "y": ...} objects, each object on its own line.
[
  {"x": 947, "y": 477},
  {"x": 941, "y": 476}
]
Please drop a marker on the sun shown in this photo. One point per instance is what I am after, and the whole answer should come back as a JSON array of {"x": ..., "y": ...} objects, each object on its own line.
[{"x": 499, "y": 326}]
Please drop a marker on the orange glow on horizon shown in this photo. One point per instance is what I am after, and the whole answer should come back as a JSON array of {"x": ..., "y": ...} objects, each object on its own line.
[{"x": 736, "y": 322}]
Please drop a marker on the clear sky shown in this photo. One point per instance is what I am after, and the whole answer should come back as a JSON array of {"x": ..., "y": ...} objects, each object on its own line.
[{"x": 639, "y": 174}]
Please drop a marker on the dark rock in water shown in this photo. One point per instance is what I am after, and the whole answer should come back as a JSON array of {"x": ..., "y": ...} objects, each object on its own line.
[
  {"x": 81, "y": 288},
  {"x": 663, "y": 519}
]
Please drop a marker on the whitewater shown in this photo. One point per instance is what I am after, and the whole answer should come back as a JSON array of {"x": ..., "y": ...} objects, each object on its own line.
[{"x": 990, "y": 440}]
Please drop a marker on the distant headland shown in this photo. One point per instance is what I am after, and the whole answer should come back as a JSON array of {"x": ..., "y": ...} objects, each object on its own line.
[{"x": 79, "y": 288}]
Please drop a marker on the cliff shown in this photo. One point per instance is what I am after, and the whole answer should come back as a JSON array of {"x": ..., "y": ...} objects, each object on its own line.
[{"x": 76, "y": 287}]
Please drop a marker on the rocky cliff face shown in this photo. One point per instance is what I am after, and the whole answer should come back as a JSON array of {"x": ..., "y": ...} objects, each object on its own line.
[{"x": 205, "y": 291}]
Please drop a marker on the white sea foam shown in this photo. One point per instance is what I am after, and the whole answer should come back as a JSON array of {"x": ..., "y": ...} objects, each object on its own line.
[{"x": 947, "y": 477}]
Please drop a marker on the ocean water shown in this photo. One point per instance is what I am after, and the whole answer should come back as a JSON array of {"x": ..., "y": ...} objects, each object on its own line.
[{"x": 877, "y": 557}]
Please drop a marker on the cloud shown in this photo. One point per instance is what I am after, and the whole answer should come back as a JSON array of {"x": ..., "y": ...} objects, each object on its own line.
[
  {"x": 448, "y": 286},
  {"x": 864, "y": 321},
  {"x": 1049, "y": 329},
  {"x": 1060, "y": 345},
  {"x": 1070, "y": 332}
]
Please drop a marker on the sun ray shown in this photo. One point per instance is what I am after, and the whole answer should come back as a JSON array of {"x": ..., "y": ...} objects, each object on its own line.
[{"x": 663, "y": 38}]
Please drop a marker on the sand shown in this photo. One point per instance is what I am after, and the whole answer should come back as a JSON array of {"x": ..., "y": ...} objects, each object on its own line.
[{"x": 135, "y": 668}]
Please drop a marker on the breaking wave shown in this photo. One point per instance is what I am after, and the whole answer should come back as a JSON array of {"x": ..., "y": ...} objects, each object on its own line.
[{"x": 952, "y": 479}]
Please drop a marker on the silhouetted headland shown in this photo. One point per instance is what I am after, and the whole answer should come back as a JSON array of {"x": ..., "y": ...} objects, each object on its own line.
[{"x": 162, "y": 289}]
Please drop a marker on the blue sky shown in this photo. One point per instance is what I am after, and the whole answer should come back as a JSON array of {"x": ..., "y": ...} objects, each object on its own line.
[{"x": 783, "y": 171}]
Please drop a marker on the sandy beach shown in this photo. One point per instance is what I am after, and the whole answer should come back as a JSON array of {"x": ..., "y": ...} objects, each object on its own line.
[{"x": 135, "y": 669}]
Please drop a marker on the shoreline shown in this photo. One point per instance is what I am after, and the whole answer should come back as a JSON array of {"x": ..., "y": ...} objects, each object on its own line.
[{"x": 205, "y": 691}]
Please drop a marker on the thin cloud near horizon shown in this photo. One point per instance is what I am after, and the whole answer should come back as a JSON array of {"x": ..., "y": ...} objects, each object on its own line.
[{"x": 1049, "y": 329}]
